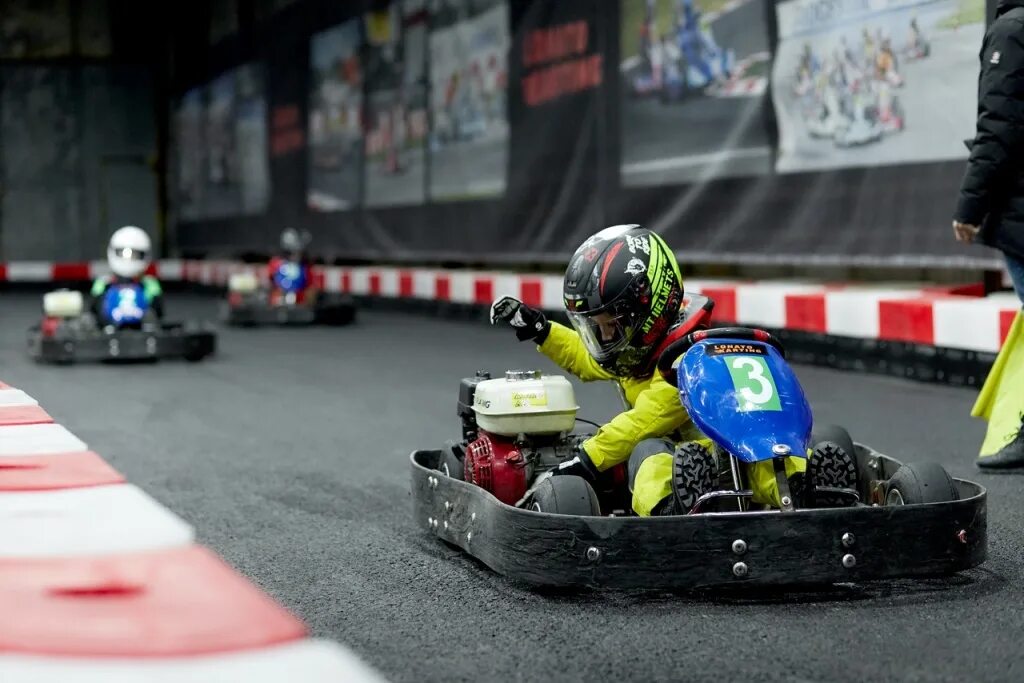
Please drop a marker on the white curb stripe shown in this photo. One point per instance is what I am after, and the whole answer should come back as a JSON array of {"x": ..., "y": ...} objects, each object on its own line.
[
  {"x": 16, "y": 397},
  {"x": 38, "y": 439},
  {"x": 308, "y": 661},
  {"x": 96, "y": 520}
]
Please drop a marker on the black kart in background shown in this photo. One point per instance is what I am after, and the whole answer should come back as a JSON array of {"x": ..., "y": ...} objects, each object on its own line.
[{"x": 68, "y": 333}]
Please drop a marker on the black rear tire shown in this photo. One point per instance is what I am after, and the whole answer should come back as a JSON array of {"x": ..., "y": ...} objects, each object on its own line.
[
  {"x": 566, "y": 495},
  {"x": 918, "y": 483}
]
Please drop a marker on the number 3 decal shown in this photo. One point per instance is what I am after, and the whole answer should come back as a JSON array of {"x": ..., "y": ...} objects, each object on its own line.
[{"x": 765, "y": 391}]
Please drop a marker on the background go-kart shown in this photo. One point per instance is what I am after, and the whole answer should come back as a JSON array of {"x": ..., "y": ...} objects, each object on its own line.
[
  {"x": 719, "y": 132},
  {"x": 937, "y": 95}
]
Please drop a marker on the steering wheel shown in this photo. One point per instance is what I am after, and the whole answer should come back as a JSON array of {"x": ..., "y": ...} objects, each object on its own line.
[{"x": 683, "y": 344}]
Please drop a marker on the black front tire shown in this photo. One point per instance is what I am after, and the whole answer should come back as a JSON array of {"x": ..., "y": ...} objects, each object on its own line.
[
  {"x": 919, "y": 483},
  {"x": 566, "y": 495}
]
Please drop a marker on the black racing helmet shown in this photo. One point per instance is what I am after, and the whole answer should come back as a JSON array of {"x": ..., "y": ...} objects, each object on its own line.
[{"x": 622, "y": 292}]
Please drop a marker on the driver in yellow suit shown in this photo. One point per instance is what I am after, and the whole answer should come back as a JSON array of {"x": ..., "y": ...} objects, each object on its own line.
[{"x": 623, "y": 293}]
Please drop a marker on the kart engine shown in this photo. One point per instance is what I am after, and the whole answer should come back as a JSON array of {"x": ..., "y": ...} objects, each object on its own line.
[{"x": 514, "y": 428}]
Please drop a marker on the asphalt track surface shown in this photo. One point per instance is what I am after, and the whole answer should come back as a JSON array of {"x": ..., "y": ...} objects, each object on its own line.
[{"x": 289, "y": 453}]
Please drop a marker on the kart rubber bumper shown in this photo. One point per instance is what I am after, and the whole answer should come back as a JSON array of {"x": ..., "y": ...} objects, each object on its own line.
[
  {"x": 804, "y": 547},
  {"x": 171, "y": 340}
]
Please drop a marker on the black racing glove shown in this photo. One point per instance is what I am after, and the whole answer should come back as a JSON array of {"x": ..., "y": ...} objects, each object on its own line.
[
  {"x": 529, "y": 323},
  {"x": 579, "y": 465}
]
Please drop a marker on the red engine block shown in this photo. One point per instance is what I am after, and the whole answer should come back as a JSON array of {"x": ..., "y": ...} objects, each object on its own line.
[
  {"x": 49, "y": 326},
  {"x": 496, "y": 465}
]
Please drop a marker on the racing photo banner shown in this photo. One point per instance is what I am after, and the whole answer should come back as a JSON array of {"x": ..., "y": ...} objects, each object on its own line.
[
  {"x": 396, "y": 119},
  {"x": 335, "y": 131},
  {"x": 875, "y": 82},
  {"x": 221, "y": 195},
  {"x": 694, "y": 77},
  {"x": 235, "y": 169},
  {"x": 189, "y": 157},
  {"x": 469, "y": 43},
  {"x": 252, "y": 152}
]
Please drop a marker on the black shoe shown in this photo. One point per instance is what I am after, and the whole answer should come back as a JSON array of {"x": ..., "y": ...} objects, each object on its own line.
[
  {"x": 1009, "y": 456},
  {"x": 829, "y": 466},
  {"x": 693, "y": 471}
]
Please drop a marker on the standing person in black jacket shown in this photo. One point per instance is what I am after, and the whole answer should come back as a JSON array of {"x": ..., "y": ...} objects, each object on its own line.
[{"x": 991, "y": 204}]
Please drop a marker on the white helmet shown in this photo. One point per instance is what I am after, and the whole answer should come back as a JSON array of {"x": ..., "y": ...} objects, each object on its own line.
[
  {"x": 294, "y": 241},
  {"x": 129, "y": 251}
]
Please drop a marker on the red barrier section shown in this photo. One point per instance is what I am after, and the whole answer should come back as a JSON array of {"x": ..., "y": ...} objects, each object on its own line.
[
  {"x": 70, "y": 271},
  {"x": 443, "y": 288},
  {"x": 530, "y": 292},
  {"x": 806, "y": 312},
  {"x": 406, "y": 288},
  {"x": 909, "y": 320},
  {"x": 725, "y": 303},
  {"x": 1005, "y": 321},
  {"x": 56, "y": 471},
  {"x": 162, "y": 604},
  {"x": 483, "y": 290}
]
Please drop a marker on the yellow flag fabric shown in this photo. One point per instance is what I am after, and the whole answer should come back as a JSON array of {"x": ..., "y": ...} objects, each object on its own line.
[{"x": 1001, "y": 400}]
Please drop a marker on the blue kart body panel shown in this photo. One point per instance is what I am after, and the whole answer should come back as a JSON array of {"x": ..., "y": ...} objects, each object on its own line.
[
  {"x": 744, "y": 396},
  {"x": 290, "y": 277},
  {"x": 124, "y": 303}
]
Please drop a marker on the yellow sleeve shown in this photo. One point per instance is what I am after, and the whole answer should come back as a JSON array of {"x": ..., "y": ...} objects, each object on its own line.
[
  {"x": 657, "y": 413},
  {"x": 566, "y": 349}
]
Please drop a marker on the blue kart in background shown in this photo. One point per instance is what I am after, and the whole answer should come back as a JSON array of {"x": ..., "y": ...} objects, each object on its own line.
[
  {"x": 286, "y": 297},
  {"x": 898, "y": 520},
  {"x": 124, "y": 328}
]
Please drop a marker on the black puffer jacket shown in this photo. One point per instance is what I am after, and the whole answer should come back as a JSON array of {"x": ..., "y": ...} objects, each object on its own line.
[{"x": 992, "y": 192}]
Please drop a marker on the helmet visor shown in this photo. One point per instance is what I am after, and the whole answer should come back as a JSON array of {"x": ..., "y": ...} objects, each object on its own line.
[
  {"x": 129, "y": 254},
  {"x": 604, "y": 334}
]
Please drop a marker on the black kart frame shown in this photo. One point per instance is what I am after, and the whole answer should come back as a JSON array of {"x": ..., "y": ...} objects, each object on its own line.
[
  {"x": 255, "y": 311},
  {"x": 772, "y": 548},
  {"x": 166, "y": 340}
]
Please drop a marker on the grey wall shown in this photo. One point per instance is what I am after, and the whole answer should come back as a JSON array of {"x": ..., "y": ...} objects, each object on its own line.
[{"x": 76, "y": 146}]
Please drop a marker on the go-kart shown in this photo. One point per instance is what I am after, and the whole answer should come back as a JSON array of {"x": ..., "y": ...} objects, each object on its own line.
[
  {"x": 492, "y": 493},
  {"x": 127, "y": 329},
  {"x": 283, "y": 301}
]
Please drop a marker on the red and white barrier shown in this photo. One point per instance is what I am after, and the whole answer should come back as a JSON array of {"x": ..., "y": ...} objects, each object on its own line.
[
  {"x": 171, "y": 270},
  {"x": 99, "y": 582},
  {"x": 941, "y": 316}
]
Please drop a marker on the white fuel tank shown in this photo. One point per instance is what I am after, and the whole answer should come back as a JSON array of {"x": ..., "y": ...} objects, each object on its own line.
[{"x": 525, "y": 402}]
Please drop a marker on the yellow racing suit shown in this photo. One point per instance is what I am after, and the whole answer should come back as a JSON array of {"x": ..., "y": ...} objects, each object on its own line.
[{"x": 655, "y": 412}]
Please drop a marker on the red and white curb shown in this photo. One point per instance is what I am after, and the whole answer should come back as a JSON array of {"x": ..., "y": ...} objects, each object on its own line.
[
  {"x": 101, "y": 583},
  {"x": 958, "y": 318}
]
